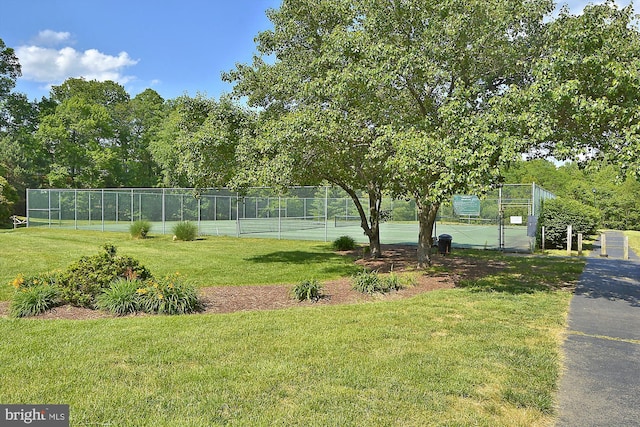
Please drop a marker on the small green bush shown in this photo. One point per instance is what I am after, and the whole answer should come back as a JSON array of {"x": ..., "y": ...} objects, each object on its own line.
[
  {"x": 121, "y": 297},
  {"x": 186, "y": 231},
  {"x": 34, "y": 300},
  {"x": 370, "y": 282},
  {"x": 85, "y": 279},
  {"x": 170, "y": 295},
  {"x": 344, "y": 243},
  {"x": 310, "y": 290},
  {"x": 140, "y": 229}
]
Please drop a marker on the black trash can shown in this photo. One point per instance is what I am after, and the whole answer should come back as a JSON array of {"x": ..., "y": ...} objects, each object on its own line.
[{"x": 444, "y": 243}]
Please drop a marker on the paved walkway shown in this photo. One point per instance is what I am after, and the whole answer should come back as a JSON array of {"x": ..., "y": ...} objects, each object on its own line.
[{"x": 600, "y": 385}]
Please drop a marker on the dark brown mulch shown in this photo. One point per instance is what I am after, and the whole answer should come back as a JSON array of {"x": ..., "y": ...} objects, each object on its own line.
[{"x": 395, "y": 258}]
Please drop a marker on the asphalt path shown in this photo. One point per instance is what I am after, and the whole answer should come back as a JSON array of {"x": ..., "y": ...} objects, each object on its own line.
[{"x": 600, "y": 383}]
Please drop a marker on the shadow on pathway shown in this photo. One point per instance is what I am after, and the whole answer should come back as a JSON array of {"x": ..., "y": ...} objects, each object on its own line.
[{"x": 600, "y": 384}]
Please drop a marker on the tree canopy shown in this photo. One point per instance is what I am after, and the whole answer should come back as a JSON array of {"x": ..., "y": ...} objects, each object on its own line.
[
  {"x": 585, "y": 100},
  {"x": 391, "y": 96}
]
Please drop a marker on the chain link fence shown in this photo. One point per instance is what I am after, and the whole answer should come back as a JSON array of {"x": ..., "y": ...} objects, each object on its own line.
[{"x": 499, "y": 220}]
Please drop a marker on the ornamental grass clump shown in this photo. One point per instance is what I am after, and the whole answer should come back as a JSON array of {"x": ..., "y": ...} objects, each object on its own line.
[
  {"x": 120, "y": 297},
  {"x": 344, "y": 243},
  {"x": 186, "y": 231},
  {"x": 140, "y": 229},
  {"x": 310, "y": 290},
  {"x": 370, "y": 282},
  {"x": 170, "y": 295},
  {"x": 34, "y": 295}
]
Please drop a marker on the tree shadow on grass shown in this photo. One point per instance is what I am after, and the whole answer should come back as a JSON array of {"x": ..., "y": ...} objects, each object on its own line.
[
  {"x": 527, "y": 275},
  {"x": 333, "y": 263}
]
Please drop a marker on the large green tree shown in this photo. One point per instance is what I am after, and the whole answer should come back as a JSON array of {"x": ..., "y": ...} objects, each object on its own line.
[
  {"x": 197, "y": 144},
  {"x": 10, "y": 70},
  {"x": 586, "y": 92},
  {"x": 394, "y": 95},
  {"x": 98, "y": 137},
  {"x": 147, "y": 113}
]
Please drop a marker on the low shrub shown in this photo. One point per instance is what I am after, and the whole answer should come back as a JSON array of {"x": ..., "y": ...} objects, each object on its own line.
[
  {"x": 85, "y": 279},
  {"x": 186, "y": 231},
  {"x": 310, "y": 290},
  {"x": 370, "y": 282},
  {"x": 170, "y": 295},
  {"x": 558, "y": 213},
  {"x": 34, "y": 300},
  {"x": 121, "y": 297},
  {"x": 140, "y": 229},
  {"x": 344, "y": 243}
]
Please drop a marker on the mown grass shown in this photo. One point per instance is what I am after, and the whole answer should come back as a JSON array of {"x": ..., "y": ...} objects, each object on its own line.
[
  {"x": 484, "y": 354},
  {"x": 210, "y": 261},
  {"x": 446, "y": 358},
  {"x": 634, "y": 240}
]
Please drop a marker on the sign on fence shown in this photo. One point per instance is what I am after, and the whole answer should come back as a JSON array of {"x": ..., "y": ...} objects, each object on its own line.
[{"x": 466, "y": 205}]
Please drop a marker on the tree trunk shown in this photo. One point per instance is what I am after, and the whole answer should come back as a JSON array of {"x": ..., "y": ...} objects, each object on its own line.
[
  {"x": 371, "y": 225},
  {"x": 375, "y": 202},
  {"x": 426, "y": 218}
]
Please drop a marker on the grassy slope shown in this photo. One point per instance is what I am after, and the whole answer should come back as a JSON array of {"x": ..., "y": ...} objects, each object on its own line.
[{"x": 484, "y": 354}]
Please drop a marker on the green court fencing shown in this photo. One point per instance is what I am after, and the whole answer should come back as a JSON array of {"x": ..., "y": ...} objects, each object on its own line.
[{"x": 499, "y": 220}]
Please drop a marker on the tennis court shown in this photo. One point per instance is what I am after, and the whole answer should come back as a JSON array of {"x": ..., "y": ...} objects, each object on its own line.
[{"x": 303, "y": 213}]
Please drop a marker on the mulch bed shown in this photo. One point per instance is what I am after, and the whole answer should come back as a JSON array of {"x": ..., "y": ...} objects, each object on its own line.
[{"x": 397, "y": 258}]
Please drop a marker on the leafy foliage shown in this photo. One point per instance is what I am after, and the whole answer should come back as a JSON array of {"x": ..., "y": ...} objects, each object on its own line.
[
  {"x": 120, "y": 297},
  {"x": 85, "y": 279},
  {"x": 170, "y": 295},
  {"x": 391, "y": 96},
  {"x": 584, "y": 103},
  {"x": 140, "y": 229},
  {"x": 371, "y": 282},
  {"x": 344, "y": 243},
  {"x": 310, "y": 290},
  {"x": 8, "y": 196},
  {"x": 34, "y": 299},
  {"x": 559, "y": 213},
  {"x": 186, "y": 231}
]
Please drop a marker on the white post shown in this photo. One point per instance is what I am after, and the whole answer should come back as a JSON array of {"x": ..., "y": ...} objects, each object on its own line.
[
  {"x": 579, "y": 244},
  {"x": 603, "y": 245},
  {"x": 569, "y": 238},
  {"x": 626, "y": 247}
]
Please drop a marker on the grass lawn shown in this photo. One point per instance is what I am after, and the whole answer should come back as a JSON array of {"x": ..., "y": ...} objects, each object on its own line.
[
  {"x": 210, "y": 261},
  {"x": 634, "y": 240},
  {"x": 484, "y": 354}
]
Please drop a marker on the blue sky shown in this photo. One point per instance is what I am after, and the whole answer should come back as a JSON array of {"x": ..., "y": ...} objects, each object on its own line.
[{"x": 173, "y": 47}]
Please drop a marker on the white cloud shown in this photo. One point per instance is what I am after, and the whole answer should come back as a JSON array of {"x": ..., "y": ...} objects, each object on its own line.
[
  {"x": 52, "y": 38},
  {"x": 51, "y": 66}
]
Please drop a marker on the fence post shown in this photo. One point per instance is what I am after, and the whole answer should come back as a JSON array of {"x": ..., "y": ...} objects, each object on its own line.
[
  {"x": 579, "y": 244},
  {"x": 543, "y": 239},
  {"x": 569, "y": 238},
  {"x": 603, "y": 245}
]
